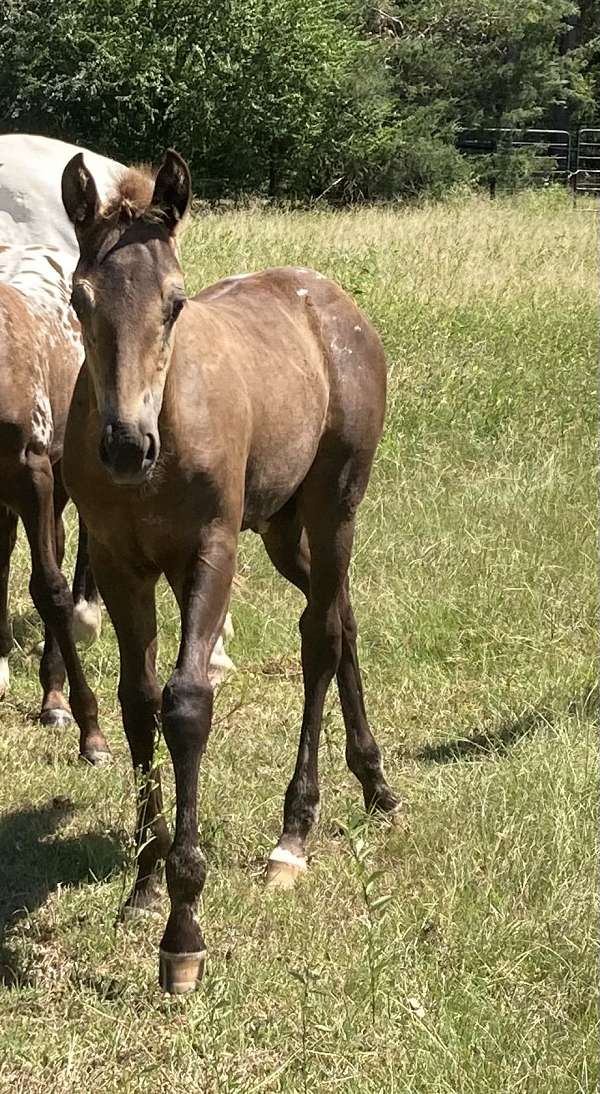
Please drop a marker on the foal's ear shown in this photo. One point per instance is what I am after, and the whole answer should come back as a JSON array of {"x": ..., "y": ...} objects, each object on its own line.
[
  {"x": 173, "y": 189},
  {"x": 79, "y": 194}
]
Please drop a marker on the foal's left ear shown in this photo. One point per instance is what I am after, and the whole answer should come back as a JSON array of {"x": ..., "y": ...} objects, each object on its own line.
[
  {"x": 79, "y": 194},
  {"x": 173, "y": 189}
]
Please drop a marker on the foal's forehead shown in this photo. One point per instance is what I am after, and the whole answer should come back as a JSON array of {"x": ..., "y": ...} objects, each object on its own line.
[{"x": 142, "y": 255}]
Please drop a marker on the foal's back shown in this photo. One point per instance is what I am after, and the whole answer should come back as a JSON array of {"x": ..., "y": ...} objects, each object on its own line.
[{"x": 268, "y": 368}]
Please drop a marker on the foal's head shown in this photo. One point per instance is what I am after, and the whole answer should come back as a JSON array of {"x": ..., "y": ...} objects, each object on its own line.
[{"x": 127, "y": 292}]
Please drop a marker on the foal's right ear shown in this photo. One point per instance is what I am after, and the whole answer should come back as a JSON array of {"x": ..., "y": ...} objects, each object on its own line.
[
  {"x": 79, "y": 194},
  {"x": 173, "y": 189}
]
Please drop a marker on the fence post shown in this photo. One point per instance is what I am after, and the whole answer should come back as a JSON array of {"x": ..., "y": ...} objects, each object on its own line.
[{"x": 492, "y": 188}]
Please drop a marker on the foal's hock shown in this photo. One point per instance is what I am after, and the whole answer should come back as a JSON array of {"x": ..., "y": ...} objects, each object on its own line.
[{"x": 256, "y": 404}]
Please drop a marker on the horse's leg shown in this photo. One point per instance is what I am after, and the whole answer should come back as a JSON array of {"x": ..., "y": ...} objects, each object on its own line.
[
  {"x": 362, "y": 752},
  {"x": 202, "y": 590},
  {"x": 51, "y": 596},
  {"x": 8, "y": 536},
  {"x": 287, "y": 547},
  {"x": 329, "y": 533},
  {"x": 130, "y": 600},
  {"x": 87, "y": 614},
  {"x": 55, "y": 709}
]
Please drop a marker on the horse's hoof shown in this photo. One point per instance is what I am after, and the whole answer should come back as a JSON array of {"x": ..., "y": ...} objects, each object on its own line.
[
  {"x": 56, "y": 717},
  {"x": 134, "y": 913},
  {"x": 142, "y": 903},
  {"x": 180, "y": 973},
  {"x": 96, "y": 757},
  {"x": 284, "y": 868},
  {"x": 87, "y": 622}
]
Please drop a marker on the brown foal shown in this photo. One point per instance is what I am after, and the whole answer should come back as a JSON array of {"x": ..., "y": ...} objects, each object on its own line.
[
  {"x": 257, "y": 404},
  {"x": 40, "y": 354}
]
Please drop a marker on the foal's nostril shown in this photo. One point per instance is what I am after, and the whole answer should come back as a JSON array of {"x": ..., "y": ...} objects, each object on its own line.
[
  {"x": 150, "y": 447},
  {"x": 105, "y": 444}
]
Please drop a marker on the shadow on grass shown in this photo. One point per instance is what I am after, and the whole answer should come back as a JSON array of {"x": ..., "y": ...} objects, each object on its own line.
[
  {"x": 33, "y": 862},
  {"x": 27, "y": 629},
  {"x": 485, "y": 744}
]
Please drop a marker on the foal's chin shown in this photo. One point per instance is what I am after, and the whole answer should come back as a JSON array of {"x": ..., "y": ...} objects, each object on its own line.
[{"x": 131, "y": 478}]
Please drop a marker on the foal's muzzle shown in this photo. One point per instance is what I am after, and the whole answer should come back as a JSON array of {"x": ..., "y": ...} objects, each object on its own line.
[{"x": 129, "y": 452}]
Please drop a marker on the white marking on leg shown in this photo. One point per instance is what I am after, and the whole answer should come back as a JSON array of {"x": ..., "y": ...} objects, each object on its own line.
[
  {"x": 228, "y": 631},
  {"x": 87, "y": 622},
  {"x": 220, "y": 663},
  {"x": 281, "y": 854},
  {"x": 301, "y": 292},
  {"x": 4, "y": 676}
]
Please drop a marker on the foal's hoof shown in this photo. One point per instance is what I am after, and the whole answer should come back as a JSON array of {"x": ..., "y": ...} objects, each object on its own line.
[
  {"x": 57, "y": 717},
  {"x": 180, "y": 973},
  {"x": 96, "y": 757},
  {"x": 284, "y": 868},
  {"x": 142, "y": 903},
  {"x": 387, "y": 806}
]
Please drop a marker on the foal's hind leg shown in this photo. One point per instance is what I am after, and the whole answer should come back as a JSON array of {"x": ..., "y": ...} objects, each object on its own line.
[
  {"x": 362, "y": 752},
  {"x": 287, "y": 546},
  {"x": 8, "y": 536},
  {"x": 330, "y": 542},
  {"x": 87, "y": 613},
  {"x": 53, "y": 600}
]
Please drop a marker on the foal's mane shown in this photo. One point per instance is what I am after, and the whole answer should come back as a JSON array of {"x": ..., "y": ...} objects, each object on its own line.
[{"x": 132, "y": 198}]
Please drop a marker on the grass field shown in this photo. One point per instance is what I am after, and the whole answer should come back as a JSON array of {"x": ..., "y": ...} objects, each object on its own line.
[{"x": 455, "y": 952}]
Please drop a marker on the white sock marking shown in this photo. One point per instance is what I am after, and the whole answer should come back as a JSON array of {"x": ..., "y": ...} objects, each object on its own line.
[
  {"x": 4, "y": 675},
  {"x": 281, "y": 854}
]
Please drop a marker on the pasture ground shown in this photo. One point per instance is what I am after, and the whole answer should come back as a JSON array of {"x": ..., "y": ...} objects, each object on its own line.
[{"x": 454, "y": 953}]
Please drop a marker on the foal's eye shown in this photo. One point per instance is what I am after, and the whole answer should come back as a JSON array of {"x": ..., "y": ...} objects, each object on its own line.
[
  {"x": 77, "y": 301},
  {"x": 173, "y": 309}
]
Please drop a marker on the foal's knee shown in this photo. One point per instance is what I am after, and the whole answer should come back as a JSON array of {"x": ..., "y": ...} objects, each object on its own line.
[
  {"x": 50, "y": 592},
  {"x": 186, "y": 713}
]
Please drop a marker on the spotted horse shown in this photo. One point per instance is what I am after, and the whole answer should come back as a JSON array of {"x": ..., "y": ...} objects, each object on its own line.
[{"x": 38, "y": 253}]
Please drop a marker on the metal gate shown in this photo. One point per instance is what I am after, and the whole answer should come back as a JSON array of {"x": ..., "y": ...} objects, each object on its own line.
[
  {"x": 586, "y": 177},
  {"x": 551, "y": 147}
]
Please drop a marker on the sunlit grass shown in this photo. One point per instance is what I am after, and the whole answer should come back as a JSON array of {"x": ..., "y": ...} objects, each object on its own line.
[{"x": 475, "y": 590}]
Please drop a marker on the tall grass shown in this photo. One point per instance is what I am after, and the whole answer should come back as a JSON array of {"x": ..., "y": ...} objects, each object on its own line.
[{"x": 452, "y": 955}]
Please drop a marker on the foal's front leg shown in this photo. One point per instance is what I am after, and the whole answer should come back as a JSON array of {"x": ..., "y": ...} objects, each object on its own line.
[
  {"x": 129, "y": 596},
  {"x": 202, "y": 588}
]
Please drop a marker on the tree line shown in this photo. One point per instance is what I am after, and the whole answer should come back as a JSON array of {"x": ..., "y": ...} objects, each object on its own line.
[{"x": 297, "y": 98}]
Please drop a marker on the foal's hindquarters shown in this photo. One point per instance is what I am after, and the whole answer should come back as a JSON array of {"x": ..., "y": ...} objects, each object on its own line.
[{"x": 39, "y": 361}]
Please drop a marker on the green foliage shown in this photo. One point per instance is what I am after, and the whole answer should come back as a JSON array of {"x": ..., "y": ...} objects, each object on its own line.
[{"x": 293, "y": 98}]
